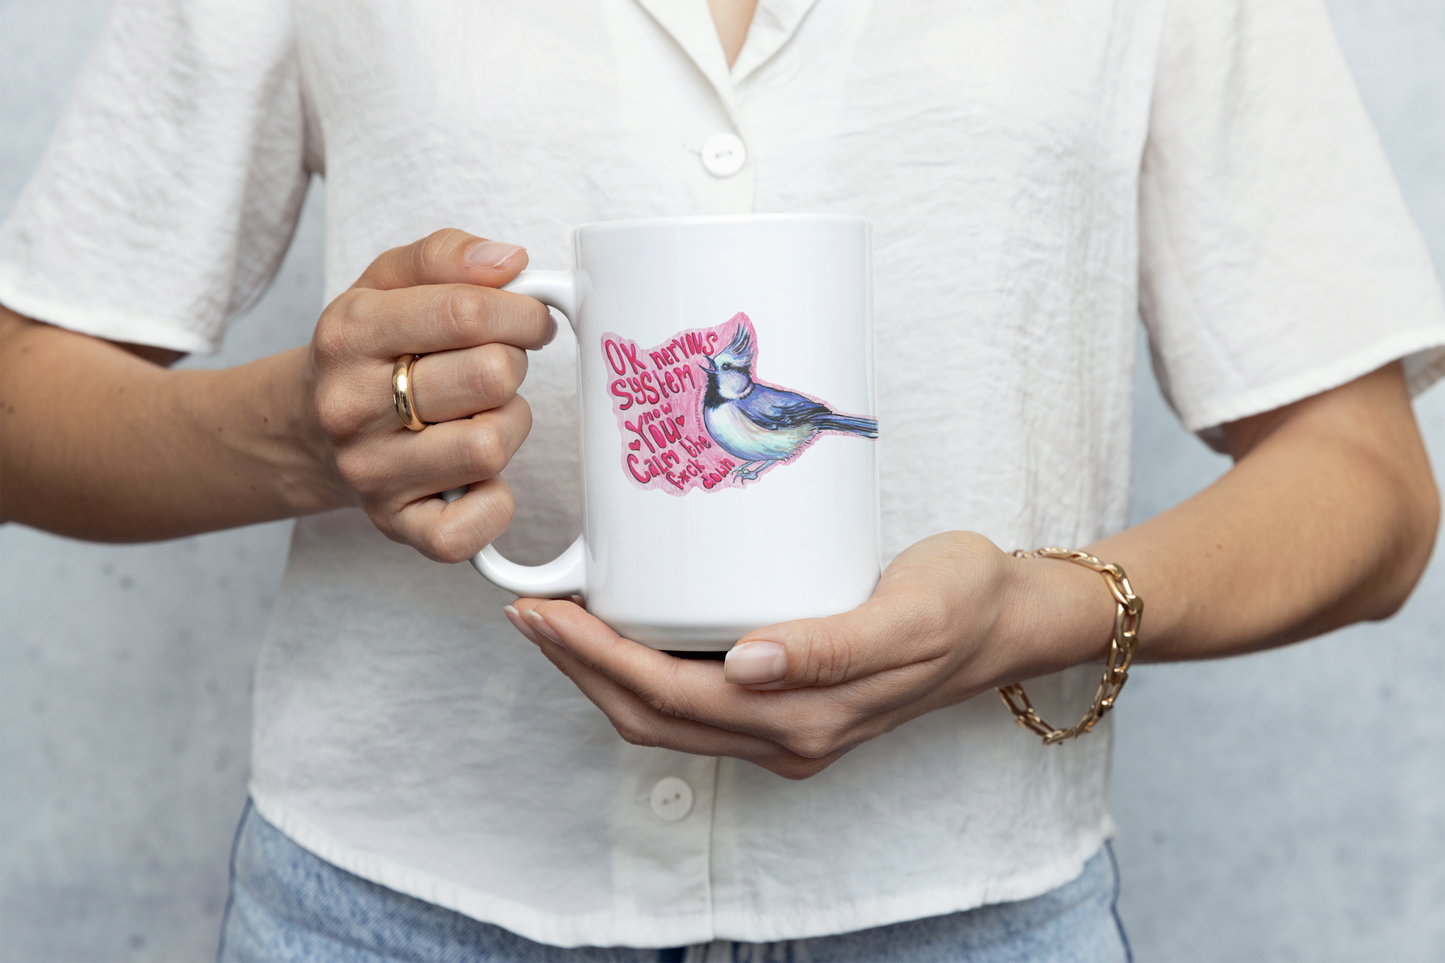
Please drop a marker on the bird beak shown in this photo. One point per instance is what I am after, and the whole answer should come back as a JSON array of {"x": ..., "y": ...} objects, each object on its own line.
[{"x": 707, "y": 364}]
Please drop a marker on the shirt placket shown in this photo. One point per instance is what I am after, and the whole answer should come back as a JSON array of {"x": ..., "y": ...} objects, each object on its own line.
[
  {"x": 725, "y": 173},
  {"x": 665, "y": 803},
  {"x": 662, "y": 842}
]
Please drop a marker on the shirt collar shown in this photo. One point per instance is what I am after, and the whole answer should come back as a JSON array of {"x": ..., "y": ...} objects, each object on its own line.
[
  {"x": 774, "y": 24},
  {"x": 690, "y": 25}
]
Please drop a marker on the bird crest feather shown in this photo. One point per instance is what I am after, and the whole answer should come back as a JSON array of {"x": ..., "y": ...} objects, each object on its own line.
[{"x": 739, "y": 350}]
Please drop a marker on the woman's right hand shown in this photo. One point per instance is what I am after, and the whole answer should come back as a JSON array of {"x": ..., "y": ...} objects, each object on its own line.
[{"x": 437, "y": 298}]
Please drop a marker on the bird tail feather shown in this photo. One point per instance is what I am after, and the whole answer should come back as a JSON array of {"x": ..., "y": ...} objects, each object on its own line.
[{"x": 867, "y": 427}]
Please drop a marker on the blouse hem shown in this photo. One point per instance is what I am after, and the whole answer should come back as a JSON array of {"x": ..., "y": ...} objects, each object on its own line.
[{"x": 619, "y": 928}]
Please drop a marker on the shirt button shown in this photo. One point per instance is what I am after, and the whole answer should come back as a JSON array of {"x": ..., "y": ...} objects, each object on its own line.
[
  {"x": 724, "y": 154},
  {"x": 671, "y": 799}
]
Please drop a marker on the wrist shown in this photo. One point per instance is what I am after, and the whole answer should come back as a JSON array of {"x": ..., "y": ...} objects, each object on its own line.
[
  {"x": 305, "y": 459},
  {"x": 1057, "y": 615},
  {"x": 266, "y": 417}
]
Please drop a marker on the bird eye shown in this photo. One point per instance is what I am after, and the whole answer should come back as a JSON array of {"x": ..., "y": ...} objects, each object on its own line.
[{"x": 726, "y": 366}]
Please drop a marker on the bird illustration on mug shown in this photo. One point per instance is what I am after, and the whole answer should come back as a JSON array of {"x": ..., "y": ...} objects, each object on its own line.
[
  {"x": 759, "y": 424},
  {"x": 692, "y": 414}
]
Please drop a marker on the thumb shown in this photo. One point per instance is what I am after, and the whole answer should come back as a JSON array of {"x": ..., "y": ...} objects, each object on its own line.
[
  {"x": 821, "y": 652},
  {"x": 445, "y": 257}
]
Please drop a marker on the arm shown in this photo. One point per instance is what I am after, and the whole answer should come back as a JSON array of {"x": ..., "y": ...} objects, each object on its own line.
[
  {"x": 101, "y": 443},
  {"x": 98, "y": 442},
  {"x": 1327, "y": 517}
]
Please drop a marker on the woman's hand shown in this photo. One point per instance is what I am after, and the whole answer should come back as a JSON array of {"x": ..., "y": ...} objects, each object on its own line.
[
  {"x": 434, "y": 298},
  {"x": 1327, "y": 517},
  {"x": 953, "y": 616},
  {"x": 98, "y": 441}
]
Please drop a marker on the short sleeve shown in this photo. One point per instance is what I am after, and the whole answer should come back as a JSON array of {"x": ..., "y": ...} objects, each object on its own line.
[
  {"x": 1277, "y": 259},
  {"x": 174, "y": 180}
]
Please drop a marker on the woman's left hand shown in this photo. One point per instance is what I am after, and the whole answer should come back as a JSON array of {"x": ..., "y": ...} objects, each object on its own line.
[{"x": 952, "y": 616}]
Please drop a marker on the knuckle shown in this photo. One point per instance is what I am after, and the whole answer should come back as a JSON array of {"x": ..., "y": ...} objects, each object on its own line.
[
  {"x": 538, "y": 315},
  {"x": 331, "y": 416},
  {"x": 658, "y": 698},
  {"x": 331, "y": 342},
  {"x": 519, "y": 416},
  {"x": 485, "y": 453},
  {"x": 517, "y": 359},
  {"x": 662, "y": 704},
  {"x": 434, "y": 249},
  {"x": 383, "y": 523},
  {"x": 931, "y": 614},
  {"x": 829, "y": 659},
  {"x": 811, "y": 744},
  {"x": 457, "y": 309},
  {"x": 661, "y": 695},
  {"x": 499, "y": 372},
  {"x": 357, "y": 470},
  {"x": 470, "y": 524},
  {"x": 334, "y": 411},
  {"x": 491, "y": 513},
  {"x": 499, "y": 507},
  {"x": 634, "y": 731},
  {"x": 448, "y": 543}
]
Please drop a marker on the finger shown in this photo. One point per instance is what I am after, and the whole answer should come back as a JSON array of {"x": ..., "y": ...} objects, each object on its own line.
[
  {"x": 445, "y": 257},
  {"x": 359, "y": 400},
  {"x": 438, "y": 317},
  {"x": 455, "y": 531},
  {"x": 396, "y": 468},
  {"x": 592, "y": 640},
  {"x": 872, "y": 638},
  {"x": 811, "y": 722},
  {"x": 641, "y": 725},
  {"x": 457, "y": 384},
  {"x": 520, "y": 624},
  {"x": 934, "y": 603}
]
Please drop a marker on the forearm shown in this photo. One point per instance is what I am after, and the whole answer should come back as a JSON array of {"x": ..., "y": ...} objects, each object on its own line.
[
  {"x": 1328, "y": 517},
  {"x": 96, "y": 443}
]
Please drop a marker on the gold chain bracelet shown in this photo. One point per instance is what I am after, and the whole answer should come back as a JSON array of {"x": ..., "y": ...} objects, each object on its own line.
[{"x": 1128, "y": 610}]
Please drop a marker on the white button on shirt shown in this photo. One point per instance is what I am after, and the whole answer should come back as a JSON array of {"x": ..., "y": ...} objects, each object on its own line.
[
  {"x": 671, "y": 799},
  {"x": 724, "y": 154},
  {"x": 1035, "y": 174}
]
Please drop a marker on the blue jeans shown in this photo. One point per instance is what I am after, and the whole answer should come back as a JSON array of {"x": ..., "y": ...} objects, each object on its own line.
[{"x": 289, "y": 905}]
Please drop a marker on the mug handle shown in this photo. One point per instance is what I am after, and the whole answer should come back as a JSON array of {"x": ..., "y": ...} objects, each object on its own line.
[{"x": 567, "y": 573}]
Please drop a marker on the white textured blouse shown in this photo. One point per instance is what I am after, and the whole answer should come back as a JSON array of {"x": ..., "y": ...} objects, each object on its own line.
[{"x": 1036, "y": 172}]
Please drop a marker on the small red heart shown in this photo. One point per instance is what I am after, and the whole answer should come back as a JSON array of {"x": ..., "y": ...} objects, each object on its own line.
[
  {"x": 634, "y": 445},
  {"x": 678, "y": 419}
]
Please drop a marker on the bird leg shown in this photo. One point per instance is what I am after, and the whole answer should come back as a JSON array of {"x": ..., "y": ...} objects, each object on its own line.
[{"x": 750, "y": 470}]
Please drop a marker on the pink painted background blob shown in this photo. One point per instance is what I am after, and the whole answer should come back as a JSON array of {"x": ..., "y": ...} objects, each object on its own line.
[{"x": 657, "y": 394}]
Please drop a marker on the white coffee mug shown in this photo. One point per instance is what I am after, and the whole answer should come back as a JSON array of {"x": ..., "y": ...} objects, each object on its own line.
[{"x": 729, "y": 473}]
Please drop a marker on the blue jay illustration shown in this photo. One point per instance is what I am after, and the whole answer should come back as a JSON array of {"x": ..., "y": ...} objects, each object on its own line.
[{"x": 759, "y": 424}]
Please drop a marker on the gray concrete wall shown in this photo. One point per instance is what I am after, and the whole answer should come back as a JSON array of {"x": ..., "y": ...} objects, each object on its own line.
[
  {"x": 1285, "y": 806},
  {"x": 125, "y": 671}
]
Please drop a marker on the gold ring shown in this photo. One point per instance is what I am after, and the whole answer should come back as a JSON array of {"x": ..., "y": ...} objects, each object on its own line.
[{"x": 401, "y": 395}]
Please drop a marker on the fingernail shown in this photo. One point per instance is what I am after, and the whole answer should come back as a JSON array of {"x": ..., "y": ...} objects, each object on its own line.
[
  {"x": 553, "y": 336},
  {"x": 540, "y": 624},
  {"x": 754, "y": 663},
  {"x": 520, "y": 624},
  {"x": 490, "y": 254}
]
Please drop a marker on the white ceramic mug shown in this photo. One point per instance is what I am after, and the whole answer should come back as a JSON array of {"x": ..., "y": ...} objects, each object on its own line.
[{"x": 729, "y": 475}]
